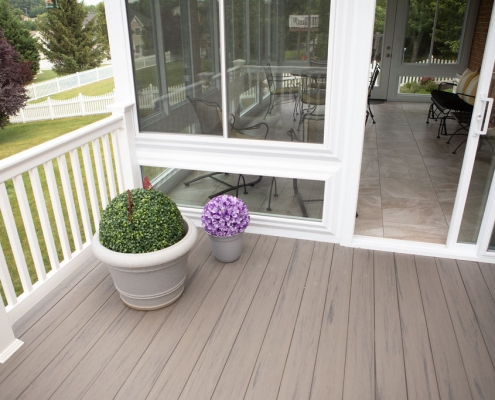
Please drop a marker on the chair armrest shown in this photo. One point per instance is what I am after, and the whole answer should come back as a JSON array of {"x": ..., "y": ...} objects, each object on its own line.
[
  {"x": 446, "y": 85},
  {"x": 250, "y": 128}
]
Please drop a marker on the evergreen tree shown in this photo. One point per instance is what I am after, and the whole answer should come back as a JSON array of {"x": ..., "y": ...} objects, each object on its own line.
[
  {"x": 101, "y": 28},
  {"x": 19, "y": 36},
  {"x": 69, "y": 42},
  {"x": 14, "y": 74}
]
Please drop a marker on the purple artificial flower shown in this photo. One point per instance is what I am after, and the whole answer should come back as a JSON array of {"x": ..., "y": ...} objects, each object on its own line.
[{"x": 225, "y": 215}]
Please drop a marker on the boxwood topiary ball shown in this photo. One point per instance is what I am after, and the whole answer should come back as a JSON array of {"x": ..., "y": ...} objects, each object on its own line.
[{"x": 156, "y": 223}]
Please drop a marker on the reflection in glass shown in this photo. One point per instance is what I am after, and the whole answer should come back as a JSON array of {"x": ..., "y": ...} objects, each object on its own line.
[
  {"x": 434, "y": 31},
  {"x": 296, "y": 198},
  {"x": 176, "y": 50}
]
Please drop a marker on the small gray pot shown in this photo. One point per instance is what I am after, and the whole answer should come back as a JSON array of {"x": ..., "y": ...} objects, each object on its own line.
[
  {"x": 227, "y": 248},
  {"x": 149, "y": 281}
]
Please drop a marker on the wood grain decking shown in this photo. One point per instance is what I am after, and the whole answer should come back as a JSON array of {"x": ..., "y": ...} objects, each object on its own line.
[{"x": 291, "y": 319}]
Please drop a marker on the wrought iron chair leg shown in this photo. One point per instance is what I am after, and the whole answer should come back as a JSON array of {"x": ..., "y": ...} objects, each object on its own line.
[{"x": 274, "y": 182}]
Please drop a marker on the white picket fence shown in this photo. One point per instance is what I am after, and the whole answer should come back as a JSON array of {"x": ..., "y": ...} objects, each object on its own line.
[
  {"x": 54, "y": 109},
  {"x": 57, "y": 85},
  {"x": 148, "y": 95}
]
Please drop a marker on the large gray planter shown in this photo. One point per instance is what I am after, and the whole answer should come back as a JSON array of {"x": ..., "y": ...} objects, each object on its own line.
[{"x": 149, "y": 281}]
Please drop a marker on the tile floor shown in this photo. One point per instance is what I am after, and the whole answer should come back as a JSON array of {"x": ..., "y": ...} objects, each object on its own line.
[{"x": 409, "y": 177}]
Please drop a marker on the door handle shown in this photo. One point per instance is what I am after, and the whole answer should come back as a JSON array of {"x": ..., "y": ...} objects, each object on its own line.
[{"x": 483, "y": 116}]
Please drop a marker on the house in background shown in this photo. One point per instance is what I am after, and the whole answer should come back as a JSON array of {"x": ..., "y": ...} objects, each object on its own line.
[{"x": 220, "y": 53}]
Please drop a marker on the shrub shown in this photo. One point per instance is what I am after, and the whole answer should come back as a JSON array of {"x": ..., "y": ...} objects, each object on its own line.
[{"x": 140, "y": 221}]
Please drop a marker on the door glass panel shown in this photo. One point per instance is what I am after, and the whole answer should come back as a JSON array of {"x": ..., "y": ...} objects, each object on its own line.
[
  {"x": 481, "y": 180},
  {"x": 295, "y": 198},
  {"x": 434, "y": 31}
]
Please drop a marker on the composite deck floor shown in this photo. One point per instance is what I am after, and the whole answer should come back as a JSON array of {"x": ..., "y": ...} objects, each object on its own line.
[{"x": 291, "y": 319}]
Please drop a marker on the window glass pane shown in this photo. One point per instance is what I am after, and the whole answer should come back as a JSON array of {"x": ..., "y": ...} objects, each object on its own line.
[
  {"x": 270, "y": 45},
  {"x": 434, "y": 31},
  {"x": 176, "y": 55},
  {"x": 276, "y": 62},
  {"x": 423, "y": 84},
  {"x": 295, "y": 198}
]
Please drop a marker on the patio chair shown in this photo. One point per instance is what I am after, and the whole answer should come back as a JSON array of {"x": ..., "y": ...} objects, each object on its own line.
[
  {"x": 311, "y": 95},
  {"x": 321, "y": 81},
  {"x": 210, "y": 120},
  {"x": 291, "y": 90},
  {"x": 444, "y": 104},
  {"x": 371, "y": 85}
]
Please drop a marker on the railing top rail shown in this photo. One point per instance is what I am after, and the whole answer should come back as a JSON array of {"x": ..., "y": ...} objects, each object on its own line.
[{"x": 35, "y": 156}]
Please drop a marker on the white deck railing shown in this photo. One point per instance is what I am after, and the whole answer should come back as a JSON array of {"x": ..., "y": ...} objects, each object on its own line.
[{"x": 50, "y": 201}]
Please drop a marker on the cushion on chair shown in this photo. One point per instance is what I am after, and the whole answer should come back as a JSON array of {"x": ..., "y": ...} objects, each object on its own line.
[
  {"x": 470, "y": 91},
  {"x": 465, "y": 79},
  {"x": 285, "y": 90}
]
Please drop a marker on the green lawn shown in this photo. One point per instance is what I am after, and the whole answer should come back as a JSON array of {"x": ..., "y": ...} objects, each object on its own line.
[
  {"x": 18, "y": 137},
  {"x": 93, "y": 89}
]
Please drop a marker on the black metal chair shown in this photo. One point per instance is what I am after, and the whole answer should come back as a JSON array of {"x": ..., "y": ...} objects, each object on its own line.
[
  {"x": 210, "y": 121},
  {"x": 280, "y": 90},
  {"x": 371, "y": 85},
  {"x": 444, "y": 103}
]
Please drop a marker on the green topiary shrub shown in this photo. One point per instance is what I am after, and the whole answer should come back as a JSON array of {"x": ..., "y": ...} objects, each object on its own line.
[{"x": 140, "y": 221}]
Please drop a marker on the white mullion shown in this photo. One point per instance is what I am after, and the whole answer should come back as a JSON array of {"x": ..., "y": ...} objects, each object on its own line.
[
  {"x": 90, "y": 180},
  {"x": 6, "y": 280},
  {"x": 118, "y": 161},
  {"x": 57, "y": 209},
  {"x": 100, "y": 174},
  {"x": 81, "y": 195},
  {"x": 15, "y": 242},
  {"x": 223, "y": 69},
  {"x": 44, "y": 219},
  {"x": 27, "y": 218},
  {"x": 69, "y": 201},
  {"x": 109, "y": 166}
]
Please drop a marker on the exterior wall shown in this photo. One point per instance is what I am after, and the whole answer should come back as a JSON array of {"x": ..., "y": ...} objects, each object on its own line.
[{"x": 480, "y": 34}]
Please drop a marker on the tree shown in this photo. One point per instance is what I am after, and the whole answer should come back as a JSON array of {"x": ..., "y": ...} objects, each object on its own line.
[
  {"x": 14, "y": 74},
  {"x": 70, "y": 42},
  {"x": 101, "y": 28},
  {"x": 19, "y": 36}
]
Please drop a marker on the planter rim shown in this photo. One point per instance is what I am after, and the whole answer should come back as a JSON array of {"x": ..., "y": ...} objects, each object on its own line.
[{"x": 130, "y": 260}]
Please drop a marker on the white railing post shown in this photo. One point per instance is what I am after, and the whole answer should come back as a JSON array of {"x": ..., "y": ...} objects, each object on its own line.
[
  {"x": 126, "y": 147},
  {"x": 8, "y": 343}
]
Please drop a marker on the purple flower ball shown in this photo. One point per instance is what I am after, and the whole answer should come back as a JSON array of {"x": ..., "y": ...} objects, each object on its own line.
[{"x": 225, "y": 215}]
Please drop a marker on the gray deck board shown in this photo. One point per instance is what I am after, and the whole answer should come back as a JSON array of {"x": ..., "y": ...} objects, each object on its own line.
[{"x": 291, "y": 319}]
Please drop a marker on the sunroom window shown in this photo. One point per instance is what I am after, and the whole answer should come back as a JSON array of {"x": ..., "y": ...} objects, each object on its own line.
[{"x": 266, "y": 65}]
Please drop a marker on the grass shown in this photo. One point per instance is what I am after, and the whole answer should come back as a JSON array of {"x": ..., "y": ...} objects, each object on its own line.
[
  {"x": 15, "y": 138},
  {"x": 93, "y": 89},
  {"x": 18, "y": 137},
  {"x": 45, "y": 75}
]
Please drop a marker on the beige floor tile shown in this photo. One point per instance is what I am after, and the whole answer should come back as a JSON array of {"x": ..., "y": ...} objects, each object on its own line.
[
  {"x": 413, "y": 212},
  {"x": 407, "y": 189},
  {"x": 417, "y": 233},
  {"x": 395, "y": 134},
  {"x": 366, "y": 227},
  {"x": 369, "y": 143},
  {"x": 395, "y": 168},
  {"x": 369, "y": 186},
  {"x": 401, "y": 145},
  {"x": 409, "y": 155},
  {"x": 369, "y": 168}
]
